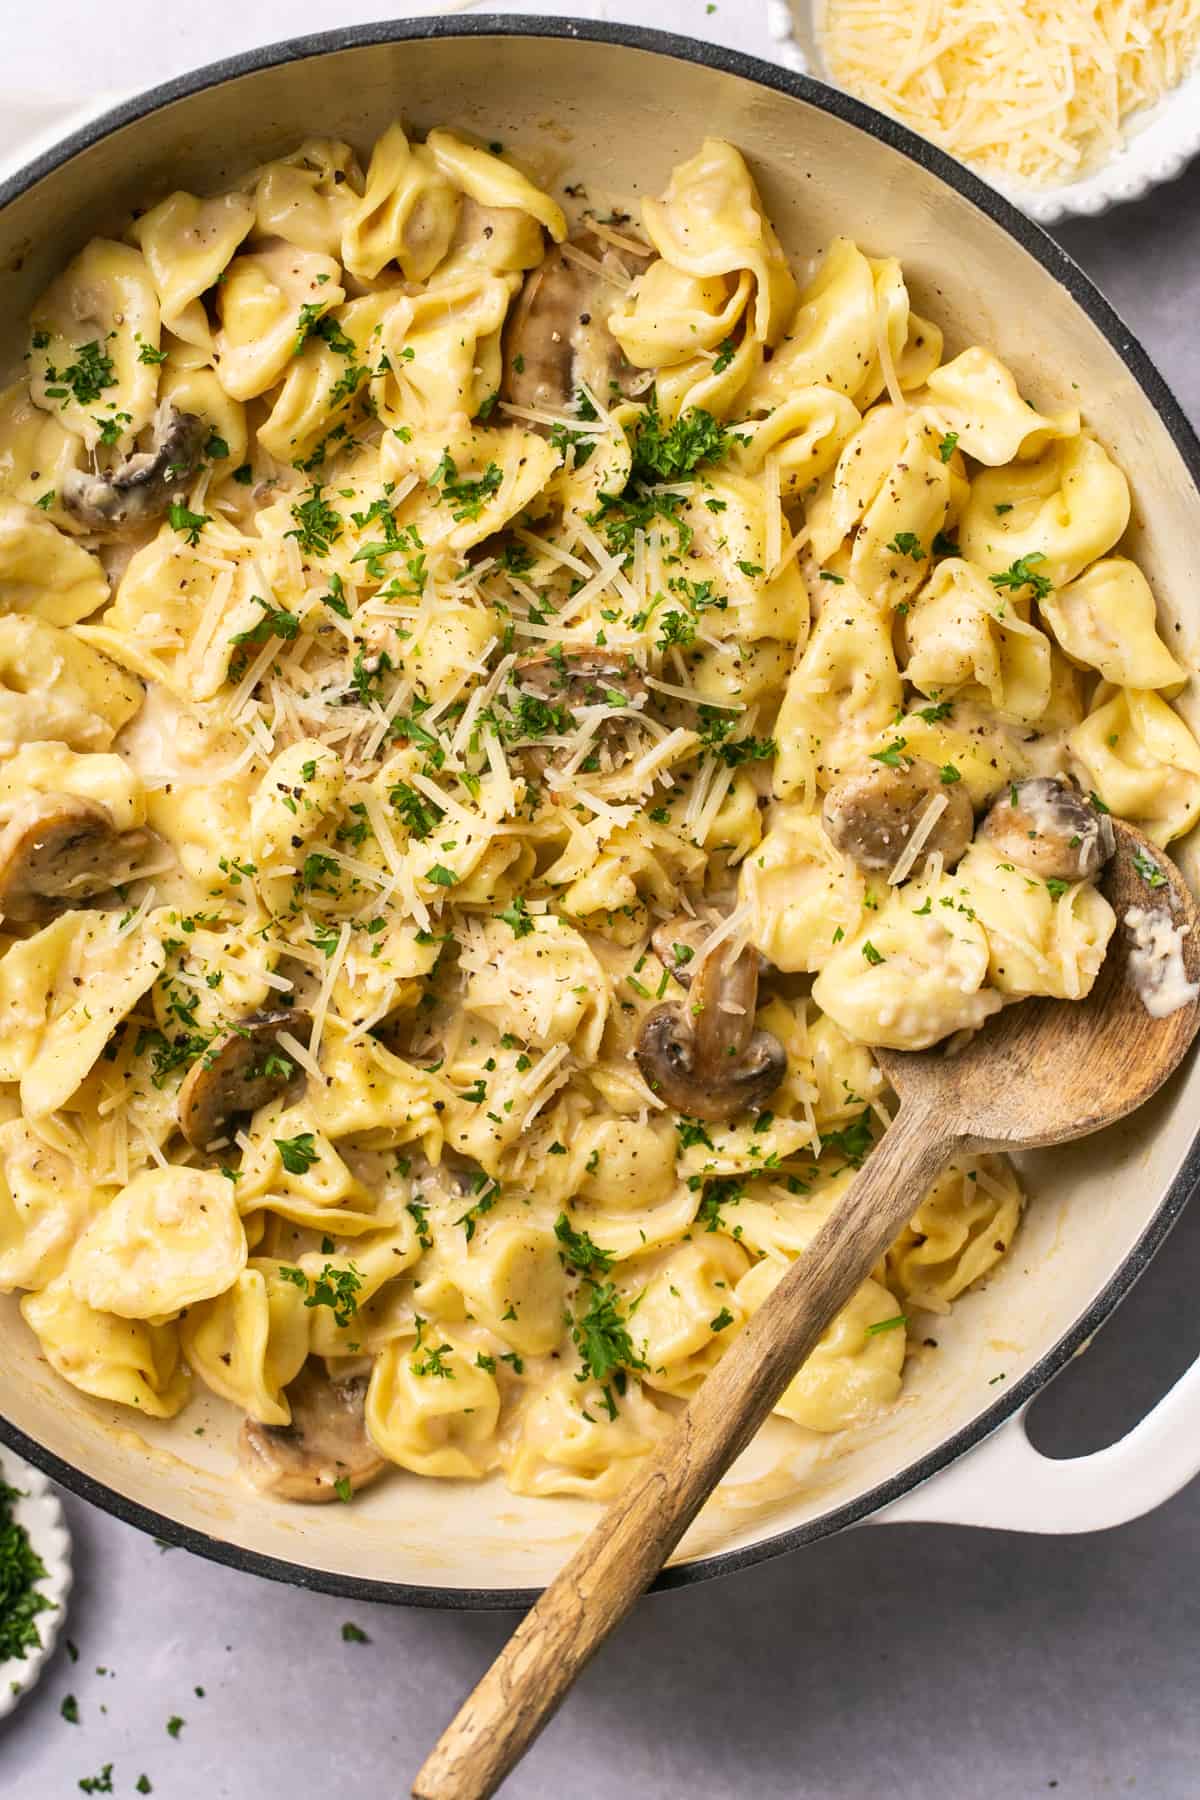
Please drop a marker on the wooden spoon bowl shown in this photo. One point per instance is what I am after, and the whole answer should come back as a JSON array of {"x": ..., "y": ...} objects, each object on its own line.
[
  {"x": 1043, "y": 1072},
  {"x": 1048, "y": 1071}
]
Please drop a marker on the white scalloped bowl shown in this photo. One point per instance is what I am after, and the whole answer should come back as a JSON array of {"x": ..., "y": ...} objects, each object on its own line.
[
  {"x": 41, "y": 1513},
  {"x": 1161, "y": 140}
]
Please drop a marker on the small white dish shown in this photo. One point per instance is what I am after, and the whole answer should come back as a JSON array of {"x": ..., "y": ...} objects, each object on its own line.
[
  {"x": 39, "y": 1511},
  {"x": 1161, "y": 140}
]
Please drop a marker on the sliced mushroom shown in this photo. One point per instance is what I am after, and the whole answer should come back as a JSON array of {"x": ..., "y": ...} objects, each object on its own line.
[
  {"x": 557, "y": 339},
  {"x": 706, "y": 1058},
  {"x": 144, "y": 485},
  {"x": 59, "y": 851},
  {"x": 326, "y": 1442},
  {"x": 871, "y": 814},
  {"x": 585, "y": 677},
  {"x": 1046, "y": 826},
  {"x": 676, "y": 943},
  {"x": 237, "y": 1074}
]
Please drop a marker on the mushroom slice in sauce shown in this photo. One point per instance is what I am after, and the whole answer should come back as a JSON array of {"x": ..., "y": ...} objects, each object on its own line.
[
  {"x": 677, "y": 942},
  {"x": 325, "y": 1443},
  {"x": 144, "y": 485},
  {"x": 237, "y": 1074},
  {"x": 1046, "y": 826},
  {"x": 706, "y": 1058},
  {"x": 585, "y": 677},
  {"x": 60, "y": 851},
  {"x": 557, "y": 340},
  {"x": 872, "y": 814}
]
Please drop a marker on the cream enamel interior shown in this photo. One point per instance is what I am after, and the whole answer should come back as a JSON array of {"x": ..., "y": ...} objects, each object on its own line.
[{"x": 620, "y": 117}]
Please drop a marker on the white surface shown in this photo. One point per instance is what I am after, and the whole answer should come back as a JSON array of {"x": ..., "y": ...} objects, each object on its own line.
[
  {"x": 39, "y": 1511},
  {"x": 69, "y": 49}
]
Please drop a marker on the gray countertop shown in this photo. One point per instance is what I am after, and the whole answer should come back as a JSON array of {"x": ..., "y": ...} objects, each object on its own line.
[{"x": 920, "y": 1661}]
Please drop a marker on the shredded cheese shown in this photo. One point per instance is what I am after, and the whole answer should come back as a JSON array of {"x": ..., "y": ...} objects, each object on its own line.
[
  {"x": 935, "y": 806},
  {"x": 1039, "y": 91}
]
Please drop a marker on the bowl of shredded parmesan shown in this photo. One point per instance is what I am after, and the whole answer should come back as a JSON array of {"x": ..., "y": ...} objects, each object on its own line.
[{"x": 1068, "y": 106}]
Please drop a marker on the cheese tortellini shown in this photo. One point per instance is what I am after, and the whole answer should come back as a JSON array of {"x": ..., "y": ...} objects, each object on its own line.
[{"x": 502, "y": 707}]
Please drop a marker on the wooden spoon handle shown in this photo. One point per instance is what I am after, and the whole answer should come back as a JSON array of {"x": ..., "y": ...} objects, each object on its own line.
[{"x": 622, "y": 1555}]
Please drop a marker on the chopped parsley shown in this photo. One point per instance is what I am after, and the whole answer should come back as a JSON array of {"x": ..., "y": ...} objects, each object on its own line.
[
  {"x": 853, "y": 1141},
  {"x": 669, "y": 455},
  {"x": 85, "y": 379},
  {"x": 1148, "y": 869},
  {"x": 579, "y": 1250},
  {"x": 189, "y": 524},
  {"x": 466, "y": 499},
  {"x": 434, "y": 1363},
  {"x": 715, "y": 725},
  {"x": 21, "y": 1568},
  {"x": 722, "y": 1190},
  {"x": 1021, "y": 574},
  {"x": 274, "y": 623},
  {"x": 318, "y": 525},
  {"x": 601, "y": 1336},
  {"x": 893, "y": 1324},
  {"x": 946, "y": 447},
  {"x": 335, "y": 1288},
  {"x": 298, "y": 1154},
  {"x": 893, "y": 757},
  {"x": 515, "y": 916},
  {"x": 421, "y": 816},
  {"x": 489, "y": 1193},
  {"x": 907, "y": 543}
]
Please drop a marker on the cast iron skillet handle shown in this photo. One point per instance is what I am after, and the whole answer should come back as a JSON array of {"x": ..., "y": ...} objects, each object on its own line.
[{"x": 622, "y": 1555}]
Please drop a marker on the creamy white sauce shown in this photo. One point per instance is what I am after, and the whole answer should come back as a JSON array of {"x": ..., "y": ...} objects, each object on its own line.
[
  {"x": 1156, "y": 962},
  {"x": 164, "y": 744}
]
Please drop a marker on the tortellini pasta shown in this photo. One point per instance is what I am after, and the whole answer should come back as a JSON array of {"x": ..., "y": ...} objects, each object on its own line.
[
  {"x": 975, "y": 397},
  {"x": 914, "y": 974},
  {"x": 188, "y": 244},
  {"x": 964, "y": 637},
  {"x": 432, "y": 1407},
  {"x": 1142, "y": 760},
  {"x": 44, "y": 573},
  {"x": 1105, "y": 619},
  {"x": 249, "y": 1342},
  {"x": 498, "y": 702},
  {"x": 89, "y": 330},
  {"x": 170, "y": 1238},
  {"x": 307, "y": 198},
  {"x": 131, "y": 1361},
  {"x": 267, "y": 300},
  {"x": 1055, "y": 514},
  {"x": 854, "y": 1372}
]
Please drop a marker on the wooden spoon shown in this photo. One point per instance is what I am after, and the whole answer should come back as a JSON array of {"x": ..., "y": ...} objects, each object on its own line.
[{"x": 1040, "y": 1073}]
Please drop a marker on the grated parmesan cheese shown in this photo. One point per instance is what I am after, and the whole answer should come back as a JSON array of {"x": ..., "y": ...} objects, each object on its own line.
[
  {"x": 1035, "y": 91},
  {"x": 935, "y": 806}
]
